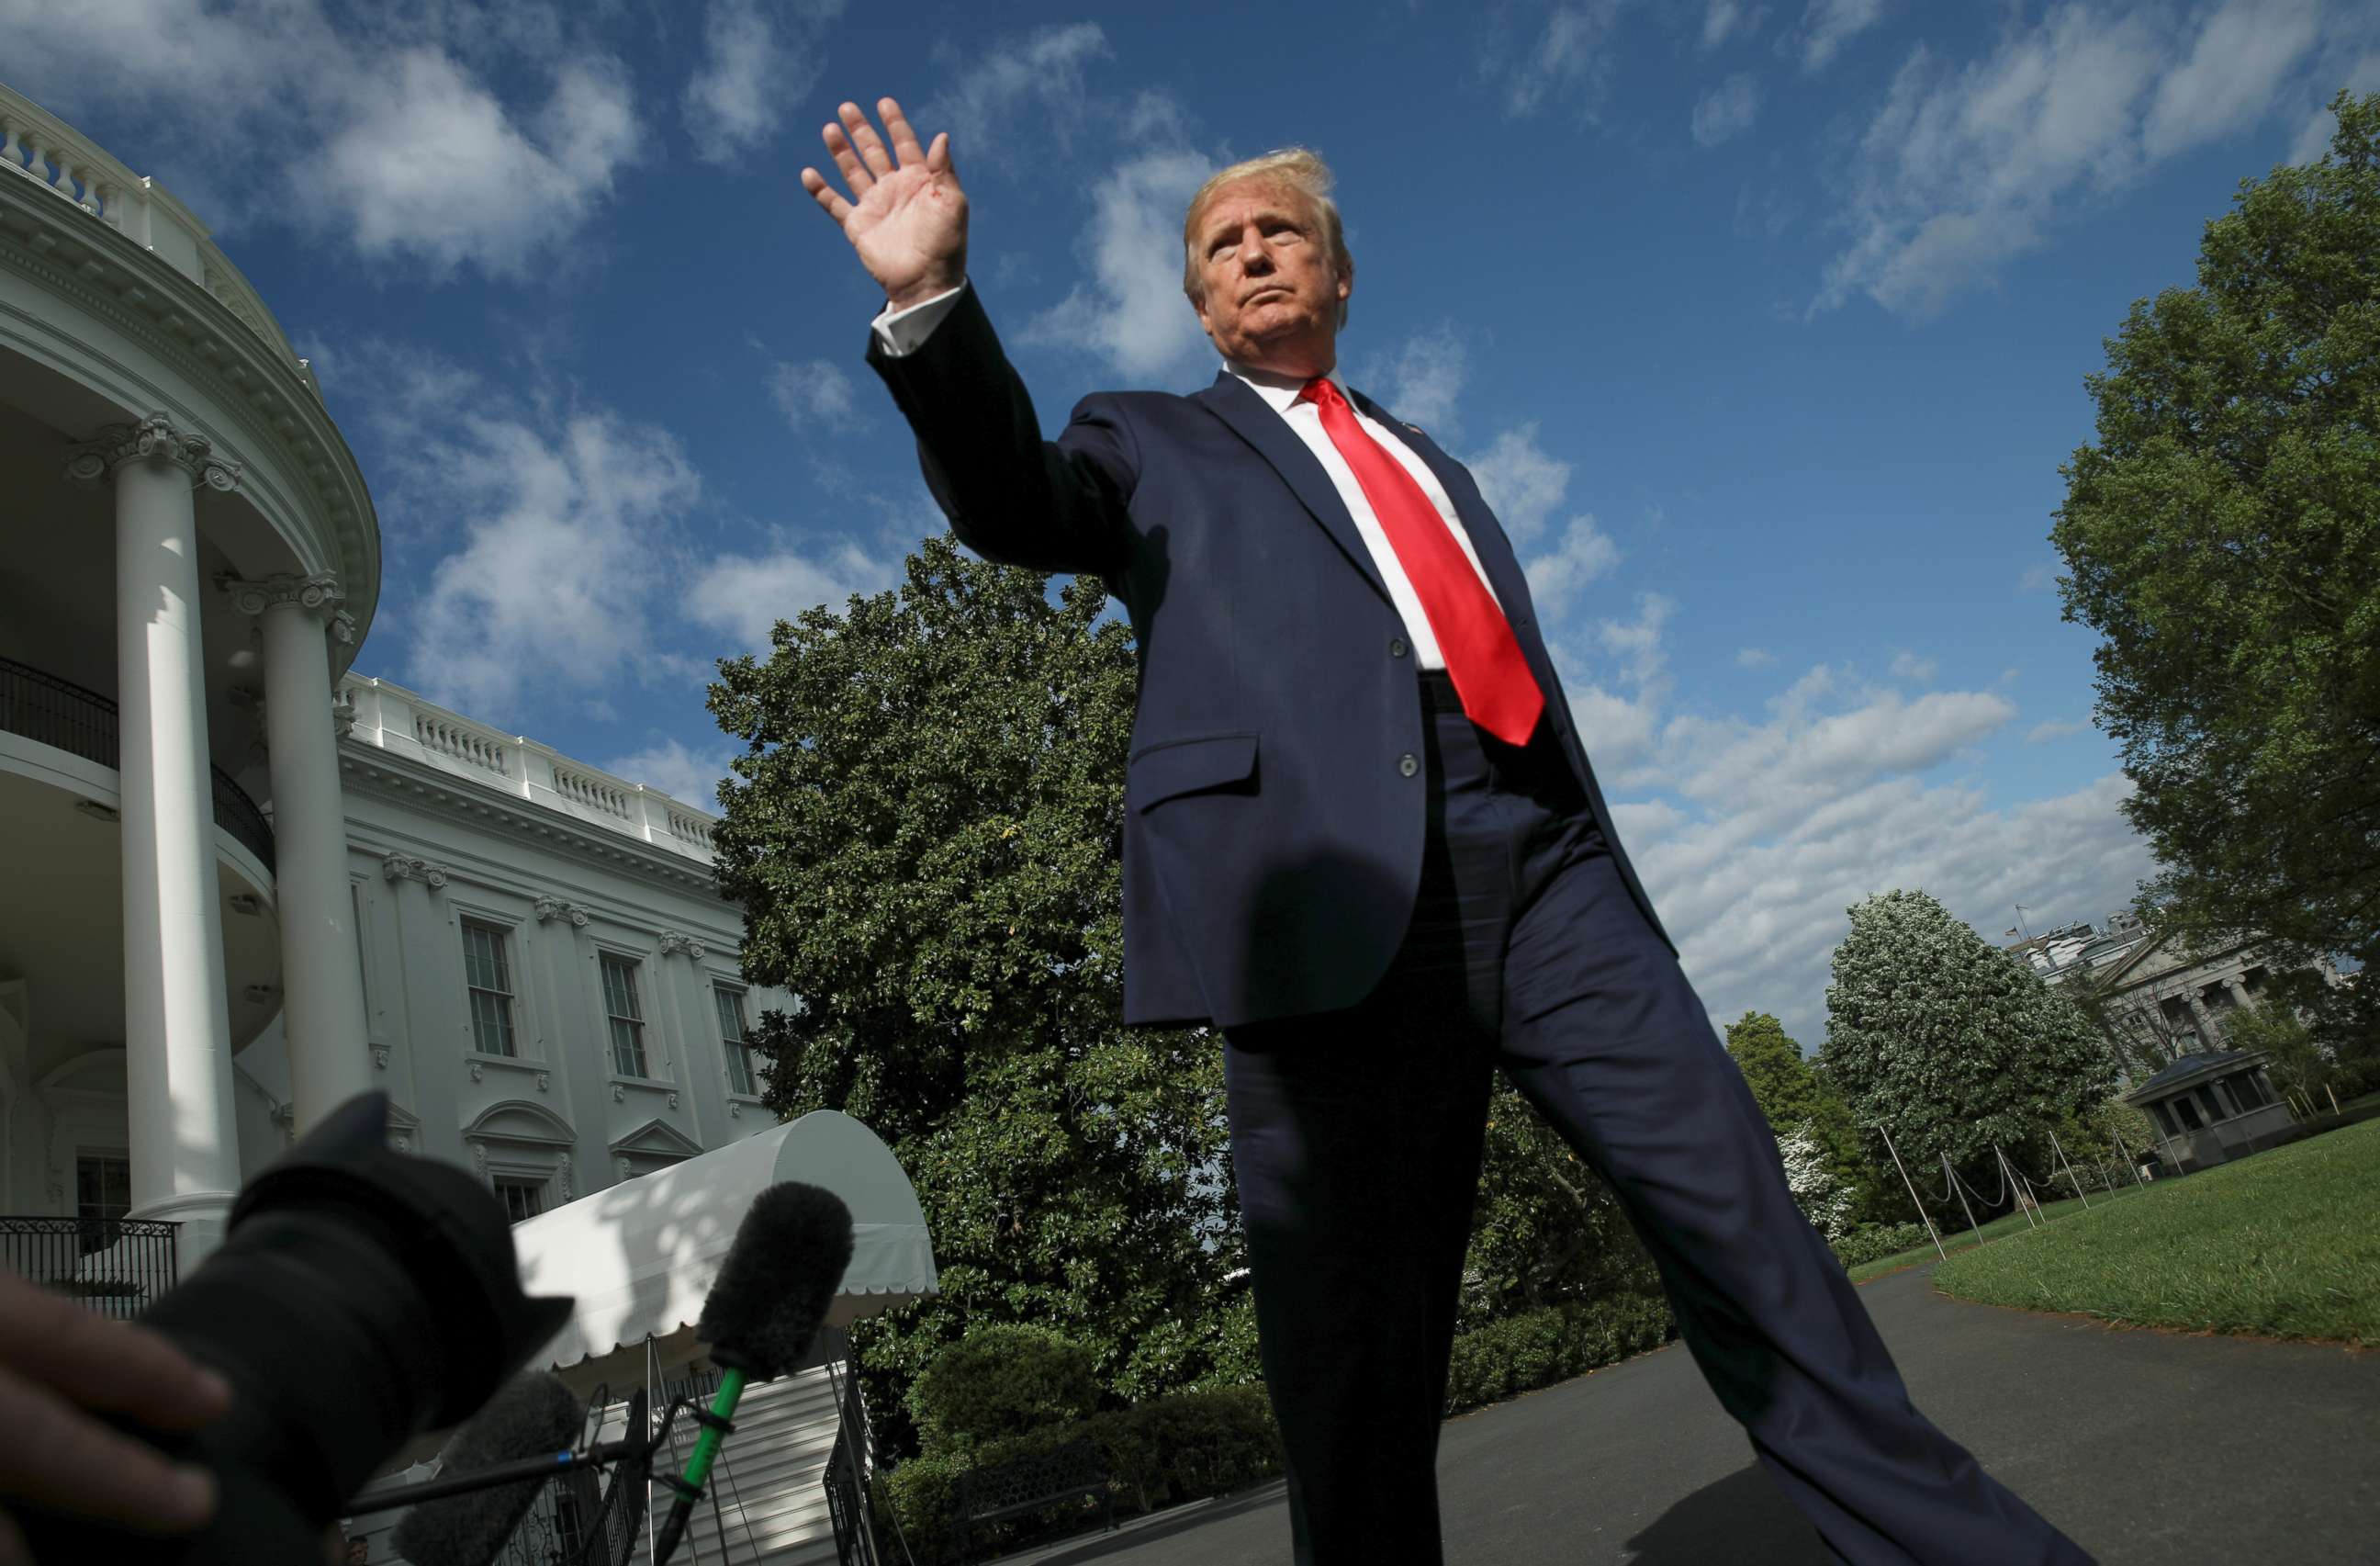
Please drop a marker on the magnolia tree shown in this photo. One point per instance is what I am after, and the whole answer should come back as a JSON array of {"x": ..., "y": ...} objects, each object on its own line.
[
  {"x": 1810, "y": 1175},
  {"x": 1951, "y": 1044}
]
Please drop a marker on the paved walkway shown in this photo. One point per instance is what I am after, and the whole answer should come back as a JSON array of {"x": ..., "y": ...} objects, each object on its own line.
[{"x": 2145, "y": 1446}]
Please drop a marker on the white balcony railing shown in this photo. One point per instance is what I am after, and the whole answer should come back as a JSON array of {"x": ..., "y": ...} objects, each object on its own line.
[
  {"x": 37, "y": 145},
  {"x": 395, "y": 719}
]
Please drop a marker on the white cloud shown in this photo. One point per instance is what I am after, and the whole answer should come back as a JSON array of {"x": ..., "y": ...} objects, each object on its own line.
[
  {"x": 1521, "y": 484},
  {"x": 685, "y": 775},
  {"x": 1569, "y": 59},
  {"x": 1009, "y": 101},
  {"x": 1723, "y": 19},
  {"x": 744, "y": 596},
  {"x": 1910, "y": 666},
  {"x": 1964, "y": 167},
  {"x": 1557, "y": 578},
  {"x": 1425, "y": 380},
  {"x": 1131, "y": 312},
  {"x": 2037, "y": 579},
  {"x": 2231, "y": 76},
  {"x": 814, "y": 393},
  {"x": 1827, "y": 25},
  {"x": 756, "y": 61},
  {"x": 1753, "y": 658},
  {"x": 2042, "y": 733},
  {"x": 392, "y": 134},
  {"x": 1727, "y": 110}
]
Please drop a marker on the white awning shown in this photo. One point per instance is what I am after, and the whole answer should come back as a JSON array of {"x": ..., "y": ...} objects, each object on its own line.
[{"x": 641, "y": 1255}]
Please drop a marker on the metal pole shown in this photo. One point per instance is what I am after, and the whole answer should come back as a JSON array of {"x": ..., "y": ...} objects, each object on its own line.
[
  {"x": 1913, "y": 1192},
  {"x": 2015, "y": 1185},
  {"x": 2070, "y": 1168},
  {"x": 1952, "y": 1176},
  {"x": 2130, "y": 1162}
]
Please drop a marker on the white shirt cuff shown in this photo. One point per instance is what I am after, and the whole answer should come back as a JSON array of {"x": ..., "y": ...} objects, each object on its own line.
[{"x": 902, "y": 332}]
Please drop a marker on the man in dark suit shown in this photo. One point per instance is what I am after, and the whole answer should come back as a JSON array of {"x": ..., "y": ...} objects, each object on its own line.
[{"x": 1362, "y": 839}]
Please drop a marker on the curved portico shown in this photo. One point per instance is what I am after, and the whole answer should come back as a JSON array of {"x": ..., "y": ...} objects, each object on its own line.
[{"x": 188, "y": 556}]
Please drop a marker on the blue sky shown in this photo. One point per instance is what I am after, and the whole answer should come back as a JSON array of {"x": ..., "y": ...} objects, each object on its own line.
[{"x": 1763, "y": 325}]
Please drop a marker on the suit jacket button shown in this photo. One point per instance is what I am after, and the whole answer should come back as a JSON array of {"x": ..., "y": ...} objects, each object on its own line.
[
  {"x": 1396, "y": 646},
  {"x": 1407, "y": 765}
]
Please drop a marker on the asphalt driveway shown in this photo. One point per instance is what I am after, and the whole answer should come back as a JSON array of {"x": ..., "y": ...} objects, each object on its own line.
[{"x": 2145, "y": 1446}]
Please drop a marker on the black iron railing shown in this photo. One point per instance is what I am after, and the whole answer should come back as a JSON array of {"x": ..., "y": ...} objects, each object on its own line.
[
  {"x": 58, "y": 712},
  {"x": 117, "y": 1266}
]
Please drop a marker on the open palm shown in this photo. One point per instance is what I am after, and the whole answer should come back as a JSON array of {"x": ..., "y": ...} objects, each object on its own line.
[{"x": 906, "y": 217}]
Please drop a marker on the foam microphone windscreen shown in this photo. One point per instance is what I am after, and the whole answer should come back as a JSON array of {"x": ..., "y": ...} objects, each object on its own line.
[
  {"x": 779, "y": 1277},
  {"x": 531, "y": 1415}
]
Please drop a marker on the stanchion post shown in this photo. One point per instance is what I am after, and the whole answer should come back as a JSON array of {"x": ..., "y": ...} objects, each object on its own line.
[
  {"x": 2016, "y": 1187},
  {"x": 2130, "y": 1162},
  {"x": 1922, "y": 1213},
  {"x": 2070, "y": 1168},
  {"x": 1952, "y": 1176}
]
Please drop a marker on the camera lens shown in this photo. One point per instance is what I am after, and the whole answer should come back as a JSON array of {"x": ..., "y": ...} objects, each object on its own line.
[{"x": 360, "y": 1297}]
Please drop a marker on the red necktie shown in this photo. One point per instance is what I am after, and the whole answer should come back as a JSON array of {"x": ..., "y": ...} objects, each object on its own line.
[{"x": 1482, "y": 655}]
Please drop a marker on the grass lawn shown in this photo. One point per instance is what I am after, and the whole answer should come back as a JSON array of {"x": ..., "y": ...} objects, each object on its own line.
[
  {"x": 2284, "y": 1244},
  {"x": 1963, "y": 1238}
]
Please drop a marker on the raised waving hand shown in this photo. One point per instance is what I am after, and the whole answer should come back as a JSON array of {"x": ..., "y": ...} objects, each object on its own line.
[{"x": 907, "y": 216}]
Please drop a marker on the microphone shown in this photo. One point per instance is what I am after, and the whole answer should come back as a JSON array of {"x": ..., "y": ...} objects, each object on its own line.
[
  {"x": 788, "y": 1257},
  {"x": 532, "y": 1418}
]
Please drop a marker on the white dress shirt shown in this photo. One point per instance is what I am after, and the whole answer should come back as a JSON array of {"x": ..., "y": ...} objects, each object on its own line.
[{"x": 901, "y": 332}]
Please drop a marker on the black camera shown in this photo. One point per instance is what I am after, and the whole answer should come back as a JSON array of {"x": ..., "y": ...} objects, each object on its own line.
[{"x": 360, "y": 1297}]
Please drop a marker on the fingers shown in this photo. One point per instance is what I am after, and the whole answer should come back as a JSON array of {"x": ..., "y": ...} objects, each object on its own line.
[
  {"x": 826, "y": 197},
  {"x": 112, "y": 1366},
  {"x": 62, "y": 1460},
  {"x": 846, "y": 158},
  {"x": 871, "y": 147},
  {"x": 897, "y": 125}
]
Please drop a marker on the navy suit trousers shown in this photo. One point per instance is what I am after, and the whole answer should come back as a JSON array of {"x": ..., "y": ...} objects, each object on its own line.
[{"x": 1356, "y": 1141}]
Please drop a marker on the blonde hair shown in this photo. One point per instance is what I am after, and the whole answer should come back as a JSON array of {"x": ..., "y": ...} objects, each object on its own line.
[{"x": 1299, "y": 170}]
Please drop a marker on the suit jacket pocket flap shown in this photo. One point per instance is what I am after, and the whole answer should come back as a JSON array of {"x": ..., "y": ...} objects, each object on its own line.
[{"x": 1174, "y": 768}]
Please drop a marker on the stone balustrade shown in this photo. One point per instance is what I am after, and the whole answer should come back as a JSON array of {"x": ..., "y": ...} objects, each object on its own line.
[
  {"x": 393, "y": 718},
  {"x": 37, "y": 145}
]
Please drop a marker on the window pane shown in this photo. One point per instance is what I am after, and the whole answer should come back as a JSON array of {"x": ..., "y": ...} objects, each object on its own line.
[
  {"x": 627, "y": 1048},
  {"x": 730, "y": 1012},
  {"x": 523, "y": 1199},
  {"x": 739, "y": 1068}
]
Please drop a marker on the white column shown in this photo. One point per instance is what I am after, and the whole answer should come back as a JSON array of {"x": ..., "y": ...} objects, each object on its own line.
[
  {"x": 184, "y": 1140},
  {"x": 321, "y": 978}
]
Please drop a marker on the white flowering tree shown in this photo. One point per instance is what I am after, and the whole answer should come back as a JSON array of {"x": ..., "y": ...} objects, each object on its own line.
[
  {"x": 1809, "y": 1175},
  {"x": 1951, "y": 1043}
]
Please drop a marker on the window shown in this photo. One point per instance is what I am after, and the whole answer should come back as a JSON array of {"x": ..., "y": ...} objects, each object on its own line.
[
  {"x": 102, "y": 1193},
  {"x": 2187, "y": 1113},
  {"x": 731, "y": 1035},
  {"x": 2165, "y": 1120},
  {"x": 487, "y": 970},
  {"x": 626, "y": 1021},
  {"x": 522, "y": 1198},
  {"x": 2249, "y": 1091},
  {"x": 2206, "y": 1099}
]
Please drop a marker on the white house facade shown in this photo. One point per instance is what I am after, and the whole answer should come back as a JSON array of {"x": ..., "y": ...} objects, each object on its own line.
[{"x": 242, "y": 884}]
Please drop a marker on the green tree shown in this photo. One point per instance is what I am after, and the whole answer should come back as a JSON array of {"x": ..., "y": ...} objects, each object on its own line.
[
  {"x": 2223, "y": 536},
  {"x": 925, "y": 836},
  {"x": 1545, "y": 1230},
  {"x": 1794, "y": 1094},
  {"x": 1950, "y": 1044}
]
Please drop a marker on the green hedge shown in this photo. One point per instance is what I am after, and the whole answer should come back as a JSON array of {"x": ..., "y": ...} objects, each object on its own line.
[
  {"x": 1537, "y": 1349},
  {"x": 1212, "y": 1441},
  {"x": 1874, "y": 1242},
  {"x": 1002, "y": 1379},
  {"x": 1158, "y": 1455}
]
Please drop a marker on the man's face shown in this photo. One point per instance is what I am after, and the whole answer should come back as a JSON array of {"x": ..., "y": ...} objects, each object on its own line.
[{"x": 1272, "y": 295}]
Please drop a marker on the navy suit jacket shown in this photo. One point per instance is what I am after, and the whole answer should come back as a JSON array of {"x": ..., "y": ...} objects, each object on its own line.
[{"x": 1276, "y": 799}]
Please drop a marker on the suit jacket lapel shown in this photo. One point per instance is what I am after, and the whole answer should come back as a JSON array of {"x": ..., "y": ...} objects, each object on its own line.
[{"x": 1231, "y": 399}]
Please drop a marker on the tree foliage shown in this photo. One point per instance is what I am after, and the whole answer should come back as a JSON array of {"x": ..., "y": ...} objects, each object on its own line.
[
  {"x": 1796, "y": 1096},
  {"x": 2223, "y": 536},
  {"x": 1952, "y": 1045},
  {"x": 1546, "y": 1230},
  {"x": 925, "y": 836}
]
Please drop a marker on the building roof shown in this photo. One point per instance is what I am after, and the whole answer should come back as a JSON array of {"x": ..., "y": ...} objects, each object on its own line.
[{"x": 2193, "y": 1067}]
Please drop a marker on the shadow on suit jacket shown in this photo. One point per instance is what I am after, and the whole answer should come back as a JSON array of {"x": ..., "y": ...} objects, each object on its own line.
[{"x": 1275, "y": 797}]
